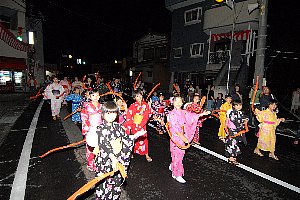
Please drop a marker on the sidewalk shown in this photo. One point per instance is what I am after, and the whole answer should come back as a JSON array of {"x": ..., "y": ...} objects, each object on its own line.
[{"x": 11, "y": 107}]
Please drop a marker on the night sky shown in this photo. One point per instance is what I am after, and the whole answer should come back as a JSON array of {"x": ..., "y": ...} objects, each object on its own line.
[{"x": 104, "y": 30}]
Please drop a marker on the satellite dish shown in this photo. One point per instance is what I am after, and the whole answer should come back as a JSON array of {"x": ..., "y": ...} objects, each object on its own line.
[{"x": 252, "y": 6}]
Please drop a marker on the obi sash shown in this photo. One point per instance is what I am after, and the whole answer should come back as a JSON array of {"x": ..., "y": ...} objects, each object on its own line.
[
  {"x": 267, "y": 122},
  {"x": 65, "y": 86},
  {"x": 55, "y": 92},
  {"x": 161, "y": 110},
  {"x": 137, "y": 119}
]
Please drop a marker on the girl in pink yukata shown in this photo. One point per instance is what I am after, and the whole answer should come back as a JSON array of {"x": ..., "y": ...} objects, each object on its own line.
[
  {"x": 54, "y": 92},
  {"x": 91, "y": 117},
  {"x": 177, "y": 119}
]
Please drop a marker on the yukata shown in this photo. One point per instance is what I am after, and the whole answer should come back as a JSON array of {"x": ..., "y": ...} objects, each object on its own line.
[
  {"x": 178, "y": 118},
  {"x": 160, "y": 110},
  {"x": 66, "y": 85},
  {"x": 105, "y": 135},
  {"x": 223, "y": 110},
  {"x": 235, "y": 124},
  {"x": 136, "y": 120},
  {"x": 266, "y": 134},
  {"x": 154, "y": 99},
  {"x": 194, "y": 107},
  {"x": 77, "y": 84},
  {"x": 52, "y": 91},
  {"x": 91, "y": 117},
  {"x": 76, "y": 99},
  {"x": 116, "y": 87},
  {"x": 121, "y": 118}
]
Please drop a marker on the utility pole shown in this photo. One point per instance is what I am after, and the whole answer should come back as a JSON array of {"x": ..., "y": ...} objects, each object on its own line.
[{"x": 261, "y": 42}]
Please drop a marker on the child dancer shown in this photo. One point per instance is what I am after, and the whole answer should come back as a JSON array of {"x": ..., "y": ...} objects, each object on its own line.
[
  {"x": 178, "y": 118},
  {"x": 223, "y": 110},
  {"x": 121, "y": 118},
  {"x": 112, "y": 146},
  {"x": 91, "y": 117},
  {"x": 195, "y": 107},
  {"x": 54, "y": 92},
  {"x": 67, "y": 86},
  {"x": 76, "y": 99},
  {"x": 160, "y": 110},
  {"x": 266, "y": 135},
  {"x": 136, "y": 120},
  {"x": 235, "y": 123}
]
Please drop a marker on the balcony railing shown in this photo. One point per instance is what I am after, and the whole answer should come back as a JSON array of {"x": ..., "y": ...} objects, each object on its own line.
[{"x": 218, "y": 57}]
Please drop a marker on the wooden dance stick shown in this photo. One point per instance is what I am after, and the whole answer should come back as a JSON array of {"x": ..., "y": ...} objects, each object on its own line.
[
  {"x": 63, "y": 147},
  {"x": 93, "y": 182},
  {"x": 254, "y": 94},
  {"x": 77, "y": 110},
  {"x": 136, "y": 80},
  {"x": 170, "y": 134},
  {"x": 154, "y": 88}
]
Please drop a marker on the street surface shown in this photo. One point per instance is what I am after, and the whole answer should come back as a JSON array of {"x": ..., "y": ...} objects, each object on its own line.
[{"x": 207, "y": 173}]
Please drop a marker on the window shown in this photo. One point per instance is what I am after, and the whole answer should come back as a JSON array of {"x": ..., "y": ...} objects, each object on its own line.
[
  {"x": 149, "y": 74},
  {"x": 197, "y": 49},
  {"x": 178, "y": 52},
  {"x": 148, "y": 54},
  {"x": 161, "y": 53},
  {"x": 5, "y": 21},
  {"x": 193, "y": 16}
]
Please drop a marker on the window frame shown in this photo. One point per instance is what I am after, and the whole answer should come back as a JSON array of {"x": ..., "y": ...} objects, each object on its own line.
[
  {"x": 199, "y": 16},
  {"x": 178, "y": 48},
  {"x": 197, "y": 55}
]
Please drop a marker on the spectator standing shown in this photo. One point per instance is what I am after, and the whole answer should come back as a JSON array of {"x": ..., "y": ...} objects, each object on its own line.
[
  {"x": 211, "y": 98},
  {"x": 236, "y": 93},
  {"x": 295, "y": 100},
  {"x": 266, "y": 98}
]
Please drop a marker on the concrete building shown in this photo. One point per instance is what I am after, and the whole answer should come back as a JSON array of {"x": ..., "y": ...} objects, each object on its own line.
[
  {"x": 18, "y": 59},
  {"x": 150, "y": 56},
  {"x": 201, "y": 39}
]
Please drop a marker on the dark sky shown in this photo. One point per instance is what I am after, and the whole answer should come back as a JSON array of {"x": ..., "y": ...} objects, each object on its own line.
[
  {"x": 99, "y": 30},
  {"x": 104, "y": 30}
]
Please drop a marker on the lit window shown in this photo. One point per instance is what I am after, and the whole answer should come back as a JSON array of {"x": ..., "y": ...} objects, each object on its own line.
[
  {"x": 197, "y": 49},
  {"x": 193, "y": 16},
  {"x": 177, "y": 52}
]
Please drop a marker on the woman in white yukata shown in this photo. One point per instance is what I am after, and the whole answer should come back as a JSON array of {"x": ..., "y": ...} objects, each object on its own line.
[{"x": 55, "y": 92}]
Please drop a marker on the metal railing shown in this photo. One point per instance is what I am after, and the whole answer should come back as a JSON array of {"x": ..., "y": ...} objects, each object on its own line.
[{"x": 218, "y": 57}]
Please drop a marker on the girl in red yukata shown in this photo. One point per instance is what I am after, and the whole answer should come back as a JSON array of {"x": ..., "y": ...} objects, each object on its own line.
[
  {"x": 136, "y": 119},
  {"x": 196, "y": 108},
  {"x": 121, "y": 118},
  {"x": 91, "y": 117},
  {"x": 177, "y": 119}
]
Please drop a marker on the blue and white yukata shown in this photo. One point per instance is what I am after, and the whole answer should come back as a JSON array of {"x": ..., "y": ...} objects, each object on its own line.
[{"x": 76, "y": 99}]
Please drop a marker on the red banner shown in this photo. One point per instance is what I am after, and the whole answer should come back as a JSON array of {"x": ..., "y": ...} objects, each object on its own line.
[
  {"x": 242, "y": 35},
  {"x": 10, "y": 39}
]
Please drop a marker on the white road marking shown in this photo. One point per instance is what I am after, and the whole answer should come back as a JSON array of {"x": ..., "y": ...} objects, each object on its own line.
[
  {"x": 285, "y": 135},
  {"x": 19, "y": 184},
  {"x": 249, "y": 169}
]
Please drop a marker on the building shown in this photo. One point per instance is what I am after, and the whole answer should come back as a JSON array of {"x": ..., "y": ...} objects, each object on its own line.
[
  {"x": 201, "y": 40},
  {"x": 150, "y": 56},
  {"x": 18, "y": 58},
  {"x": 13, "y": 52}
]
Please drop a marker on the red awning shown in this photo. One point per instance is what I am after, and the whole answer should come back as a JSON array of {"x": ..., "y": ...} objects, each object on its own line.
[{"x": 12, "y": 63}]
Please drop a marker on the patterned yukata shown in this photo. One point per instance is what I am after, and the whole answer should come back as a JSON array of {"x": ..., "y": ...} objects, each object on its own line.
[
  {"x": 178, "y": 118},
  {"x": 223, "y": 109},
  {"x": 91, "y": 118},
  {"x": 235, "y": 124},
  {"x": 266, "y": 134},
  {"x": 194, "y": 107},
  {"x": 66, "y": 85},
  {"x": 52, "y": 91},
  {"x": 160, "y": 110},
  {"x": 121, "y": 118},
  {"x": 104, "y": 134},
  {"x": 76, "y": 99},
  {"x": 136, "y": 120}
]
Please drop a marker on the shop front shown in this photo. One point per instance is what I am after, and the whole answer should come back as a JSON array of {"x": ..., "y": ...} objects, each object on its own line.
[{"x": 12, "y": 74}]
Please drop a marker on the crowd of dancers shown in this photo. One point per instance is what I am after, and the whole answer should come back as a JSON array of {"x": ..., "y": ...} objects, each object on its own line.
[{"x": 114, "y": 130}]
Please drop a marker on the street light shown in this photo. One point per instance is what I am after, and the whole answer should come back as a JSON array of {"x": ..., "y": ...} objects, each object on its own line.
[{"x": 70, "y": 56}]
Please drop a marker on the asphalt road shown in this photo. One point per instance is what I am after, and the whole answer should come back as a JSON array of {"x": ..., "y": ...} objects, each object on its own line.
[{"x": 208, "y": 176}]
